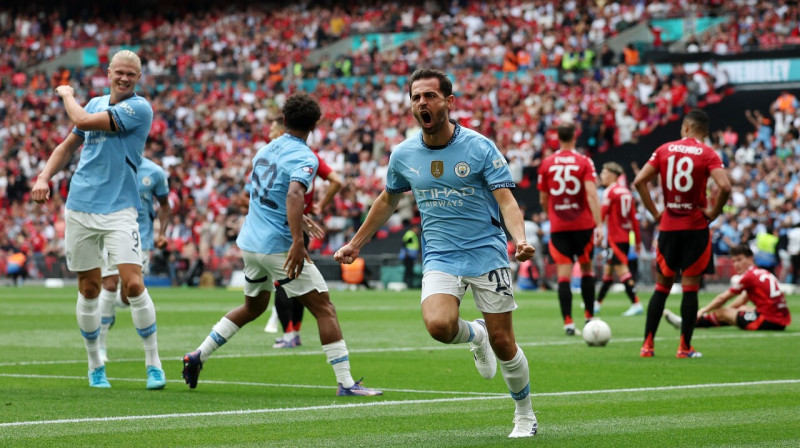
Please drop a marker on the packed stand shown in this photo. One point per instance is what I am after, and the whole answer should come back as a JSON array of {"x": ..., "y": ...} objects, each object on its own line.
[
  {"x": 765, "y": 173},
  {"x": 754, "y": 26},
  {"x": 206, "y": 139}
]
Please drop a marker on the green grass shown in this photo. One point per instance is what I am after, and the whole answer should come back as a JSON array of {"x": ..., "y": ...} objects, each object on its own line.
[{"x": 744, "y": 392}]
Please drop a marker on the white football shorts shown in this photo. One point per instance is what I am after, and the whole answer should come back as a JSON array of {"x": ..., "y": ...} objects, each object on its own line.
[
  {"x": 87, "y": 234},
  {"x": 262, "y": 270},
  {"x": 492, "y": 291},
  {"x": 105, "y": 271}
]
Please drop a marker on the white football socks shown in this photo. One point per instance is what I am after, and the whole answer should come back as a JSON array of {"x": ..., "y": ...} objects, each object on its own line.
[
  {"x": 107, "y": 315},
  {"x": 339, "y": 359},
  {"x": 222, "y": 331},
  {"x": 518, "y": 379},
  {"x": 469, "y": 332},
  {"x": 143, "y": 314},
  {"x": 87, "y": 312}
]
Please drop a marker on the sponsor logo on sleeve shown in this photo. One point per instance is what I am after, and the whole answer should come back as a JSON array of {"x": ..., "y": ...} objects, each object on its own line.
[{"x": 127, "y": 109}]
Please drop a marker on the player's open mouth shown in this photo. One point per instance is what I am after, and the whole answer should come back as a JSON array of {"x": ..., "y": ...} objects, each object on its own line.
[{"x": 426, "y": 117}]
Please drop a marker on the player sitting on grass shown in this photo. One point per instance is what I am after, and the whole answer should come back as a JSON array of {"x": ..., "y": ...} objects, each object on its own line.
[{"x": 753, "y": 284}]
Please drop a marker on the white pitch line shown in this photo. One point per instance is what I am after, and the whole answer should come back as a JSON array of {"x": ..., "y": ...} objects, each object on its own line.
[
  {"x": 383, "y": 403},
  {"x": 301, "y": 352},
  {"x": 251, "y": 383}
]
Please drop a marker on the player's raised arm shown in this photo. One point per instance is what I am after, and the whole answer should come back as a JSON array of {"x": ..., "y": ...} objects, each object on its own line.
[
  {"x": 98, "y": 121},
  {"x": 514, "y": 222},
  {"x": 380, "y": 212}
]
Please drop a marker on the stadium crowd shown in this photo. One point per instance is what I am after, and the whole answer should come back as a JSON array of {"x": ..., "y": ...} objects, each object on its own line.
[
  {"x": 758, "y": 25},
  {"x": 215, "y": 86}
]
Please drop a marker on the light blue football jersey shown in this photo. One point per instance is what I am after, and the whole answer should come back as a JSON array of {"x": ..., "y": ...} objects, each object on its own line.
[
  {"x": 453, "y": 185},
  {"x": 105, "y": 180},
  {"x": 284, "y": 160},
  {"x": 152, "y": 181}
]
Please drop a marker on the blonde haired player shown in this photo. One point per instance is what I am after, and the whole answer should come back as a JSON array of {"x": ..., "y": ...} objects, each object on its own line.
[{"x": 101, "y": 206}]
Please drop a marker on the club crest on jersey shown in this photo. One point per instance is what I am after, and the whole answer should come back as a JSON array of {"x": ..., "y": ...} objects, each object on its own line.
[
  {"x": 146, "y": 181},
  {"x": 308, "y": 169},
  {"x": 437, "y": 168},
  {"x": 462, "y": 169}
]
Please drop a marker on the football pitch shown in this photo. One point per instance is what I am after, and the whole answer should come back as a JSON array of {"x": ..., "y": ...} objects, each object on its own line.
[{"x": 744, "y": 392}]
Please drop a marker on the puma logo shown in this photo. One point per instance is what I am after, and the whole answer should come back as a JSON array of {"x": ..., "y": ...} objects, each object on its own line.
[{"x": 415, "y": 171}]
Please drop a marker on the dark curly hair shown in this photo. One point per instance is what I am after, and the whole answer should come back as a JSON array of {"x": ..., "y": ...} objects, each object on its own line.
[{"x": 301, "y": 112}]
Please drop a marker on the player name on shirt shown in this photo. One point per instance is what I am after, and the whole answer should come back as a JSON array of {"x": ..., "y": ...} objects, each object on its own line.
[{"x": 683, "y": 149}]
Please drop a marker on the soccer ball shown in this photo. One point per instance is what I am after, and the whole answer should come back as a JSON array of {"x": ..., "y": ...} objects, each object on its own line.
[{"x": 596, "y": 333}]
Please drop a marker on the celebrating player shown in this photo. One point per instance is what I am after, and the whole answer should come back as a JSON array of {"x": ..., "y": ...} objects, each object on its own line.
[
  {"x": 101, "y": 206},
  {"x": 684, "y": 242},
  {"x": 290, "y": 311},
  {"x": 461, "y": 184},
  {"x": 274, "y": 251}
]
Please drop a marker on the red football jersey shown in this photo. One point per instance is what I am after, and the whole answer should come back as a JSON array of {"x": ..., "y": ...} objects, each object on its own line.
[
  {"x": 619, "y": 212},
  {"x": 562, "y": 174},
  {"x": 763, "y": 289},
  {"x": 323, "y": 171},
  {"x": 684, "y": 166}
]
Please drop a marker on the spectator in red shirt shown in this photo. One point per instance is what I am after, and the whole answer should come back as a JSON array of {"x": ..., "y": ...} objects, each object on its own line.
[
  {"x": 680, "y": 95},
  {"x": 656, "y": 32}
]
